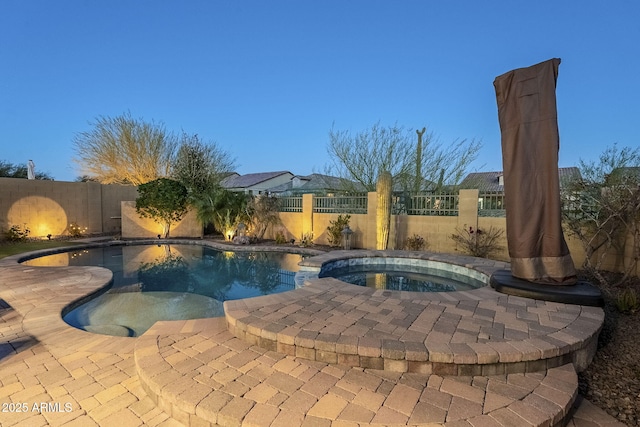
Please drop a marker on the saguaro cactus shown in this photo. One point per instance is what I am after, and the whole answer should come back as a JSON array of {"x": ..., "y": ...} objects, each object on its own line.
[
  {"x": 417, "y": 185},
  {"x": 383, "y": 213}
]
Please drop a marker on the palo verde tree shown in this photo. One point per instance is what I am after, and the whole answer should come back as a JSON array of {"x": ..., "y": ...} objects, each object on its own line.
[
  {"x": 602, "y": 210},
  {"x": 163, "y": 200},
  {"x": 124, "y": 150},
  {"x": 361, "y": 157}
]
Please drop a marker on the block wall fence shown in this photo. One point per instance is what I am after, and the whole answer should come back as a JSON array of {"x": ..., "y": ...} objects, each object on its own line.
[
  {"x": 48, "y": 207},
  {"x": 437, "y": 230}
]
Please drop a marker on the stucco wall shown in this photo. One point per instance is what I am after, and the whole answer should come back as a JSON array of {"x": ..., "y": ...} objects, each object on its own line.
[
  {"x": 48, "y": 207},
  {"x": 437, "y": 230},
  {"x": 134, "y": 226}
]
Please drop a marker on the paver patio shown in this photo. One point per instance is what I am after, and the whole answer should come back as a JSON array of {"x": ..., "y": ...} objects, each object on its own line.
[{"x": 486, "y": 359}]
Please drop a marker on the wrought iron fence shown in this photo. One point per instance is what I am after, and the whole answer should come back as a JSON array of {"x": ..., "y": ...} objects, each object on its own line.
[
  {"x": 431, "y": 204},
  {"x": 352, "y": 204},
  {"x": 290, "y": 203},
  {"x": 579, "y": 205},
  {"x": 491, "y": 204}
]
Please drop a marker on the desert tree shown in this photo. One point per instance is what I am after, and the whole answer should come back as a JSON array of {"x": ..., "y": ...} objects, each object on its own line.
[
  {"x": 359, "y": 158},
  {"x": 124, "y": 150},
  {"x": 263, "y": 212},
  {"x": 200, "y": 166},
  {"x": 163, "y": 200},
  {"x": 601, "y": 208}
]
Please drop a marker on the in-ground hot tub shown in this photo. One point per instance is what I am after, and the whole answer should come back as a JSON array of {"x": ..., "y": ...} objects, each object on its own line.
[{"x": 408, "y": 272}]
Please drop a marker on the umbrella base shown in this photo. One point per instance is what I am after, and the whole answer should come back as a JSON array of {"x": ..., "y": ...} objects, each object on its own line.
[{"x": 581, "y": 293}]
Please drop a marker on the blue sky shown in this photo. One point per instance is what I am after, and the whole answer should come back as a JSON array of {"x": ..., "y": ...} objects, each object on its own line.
[{"x": 267, "y": 80}]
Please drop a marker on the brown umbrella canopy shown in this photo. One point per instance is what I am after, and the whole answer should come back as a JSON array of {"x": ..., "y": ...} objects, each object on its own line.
[{"x": 530, "y": 142}]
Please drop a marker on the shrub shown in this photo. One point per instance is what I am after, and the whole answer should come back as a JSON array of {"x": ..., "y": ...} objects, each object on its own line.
[
  {"x": 17, "y": 233},
  {"x": 306, "y": 240},
  {"x": 280, "y": 238},
  {"x": 76, "y": 231},
  {"x": 627, "y": 301},
  {"x": 334, "y": 230},
  {"x": 415, "y": 243},
  {"x": 478, "y": 243}
]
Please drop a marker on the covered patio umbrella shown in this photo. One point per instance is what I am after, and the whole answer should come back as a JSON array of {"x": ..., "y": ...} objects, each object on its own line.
[{"x": 530, "y": 143}]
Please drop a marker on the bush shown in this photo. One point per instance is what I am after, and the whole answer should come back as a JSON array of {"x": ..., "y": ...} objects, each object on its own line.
[
  {"x": 479, "y": 243},
  {"x": 306, "y": 240},
  {"x": 76, "y": 231},
  {"x": 334, "y": 230},
  {"x": 415, "y": 243},
  {"x": 17, "y": 233},
  {"x": 280, "y": 238},
  {"x": 627, "y": 301}
]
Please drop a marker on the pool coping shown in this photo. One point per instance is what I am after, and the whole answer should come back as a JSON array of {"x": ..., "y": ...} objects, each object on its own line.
[{"x": 17, "y": 259}]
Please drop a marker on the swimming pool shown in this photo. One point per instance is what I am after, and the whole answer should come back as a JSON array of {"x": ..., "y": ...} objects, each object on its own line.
[{"x": 170, "y": 282}]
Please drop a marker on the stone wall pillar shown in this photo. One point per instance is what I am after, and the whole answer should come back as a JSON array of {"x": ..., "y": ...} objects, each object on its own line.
[
  {"x": 369, "y": 238},
  {"x": 468, "y": 209},
  {"x": 307, "y": 216},
  {"x": 94, "y": 207}
]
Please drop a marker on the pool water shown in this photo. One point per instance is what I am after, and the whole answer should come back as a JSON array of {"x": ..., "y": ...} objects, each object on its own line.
[
  {"x": 171, "y": 282},
  {"x": 404, "y": 278}
]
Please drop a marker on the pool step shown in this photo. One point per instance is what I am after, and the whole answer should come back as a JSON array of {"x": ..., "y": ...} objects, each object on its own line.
[
  {"x": 479, "y": 332},
  {"x": 210, "y": 377}
]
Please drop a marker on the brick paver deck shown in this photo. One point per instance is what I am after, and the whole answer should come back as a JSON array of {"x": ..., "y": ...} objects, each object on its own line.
[
  {"x": 231, "y": 382},
  {"x": 199, "y": 372}
]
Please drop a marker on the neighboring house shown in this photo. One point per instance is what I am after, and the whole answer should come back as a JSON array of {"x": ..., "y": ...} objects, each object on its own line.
[
  {"x": 628, "y": 172},
  {"x": 494, "y": 181},
  {"x": 315, "y": 184},
  {"x": 256, "y": 183}
]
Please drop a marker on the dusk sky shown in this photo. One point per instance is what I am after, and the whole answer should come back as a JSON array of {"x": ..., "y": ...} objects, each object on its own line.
[{"x": 267, "y": 80}]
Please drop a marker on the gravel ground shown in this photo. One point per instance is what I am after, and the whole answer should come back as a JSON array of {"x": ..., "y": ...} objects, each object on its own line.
[{"x": 612, "y": 381}]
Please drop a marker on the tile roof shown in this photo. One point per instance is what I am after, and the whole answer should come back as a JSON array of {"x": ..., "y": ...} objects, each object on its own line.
[
  {"x": 313, "y": 183},
  {"x": 250, "y": 179},
  {"x": 489, "y": 181}
]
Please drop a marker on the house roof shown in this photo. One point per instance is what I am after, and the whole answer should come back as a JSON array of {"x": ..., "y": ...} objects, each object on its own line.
[
  {"x": 250, "y": 179},
  {"x": 628, "y": 171},
  {"x": 311, "y": 184},
  {"x": 490, "y": 181},
  {"x": 483, "y": 181}
]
